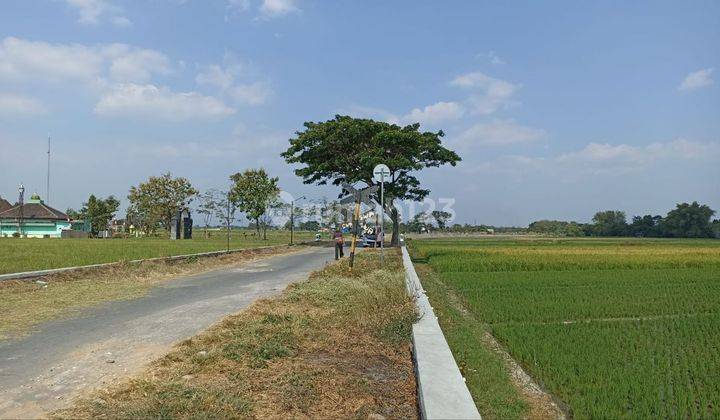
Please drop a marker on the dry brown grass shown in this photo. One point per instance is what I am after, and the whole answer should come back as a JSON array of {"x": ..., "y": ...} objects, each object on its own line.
[
  {"x": 336, "y": 346},
  {"x": 27, "y": 303}
]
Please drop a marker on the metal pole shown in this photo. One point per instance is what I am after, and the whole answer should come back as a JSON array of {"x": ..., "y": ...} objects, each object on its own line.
[
  {"x": 292, "y": 220},
  {"x": 356, "y": 216},
  {"x": 228, "y": 222},
  {"x": 382, "y": 218}
]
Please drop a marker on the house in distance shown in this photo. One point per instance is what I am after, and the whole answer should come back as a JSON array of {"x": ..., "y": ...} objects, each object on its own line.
[{"x": 33, "y": 219}]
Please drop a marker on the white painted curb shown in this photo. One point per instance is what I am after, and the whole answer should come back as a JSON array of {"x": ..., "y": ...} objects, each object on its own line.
[
  {"x": 41, "y": 273},
  {"x": 442, "y": 393}
]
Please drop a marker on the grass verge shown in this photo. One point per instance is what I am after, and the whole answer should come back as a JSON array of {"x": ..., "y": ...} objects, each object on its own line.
[
  {"x": 485, "y": 371},
  {"x": 27, "y": 303},
  {"x": 336, "y": 346},
  {"x": 29, "y": 254}
]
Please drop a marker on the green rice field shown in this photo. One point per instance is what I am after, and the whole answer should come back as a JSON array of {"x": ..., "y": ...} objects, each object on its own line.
[
  {"x": 614, "y": 328},
  {"x": 30, "y": 254}
]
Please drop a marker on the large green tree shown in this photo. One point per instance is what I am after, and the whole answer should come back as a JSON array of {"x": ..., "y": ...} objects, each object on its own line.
[
  {"x": 646, "y": 226},
  {"x": 610, "y": 223},
  {"x": 158, "y": 200},
  {"x": 254, "y": 192},
  {"x": 97, "y": 212},
  {"x": 441, "y": 218},
  {"x": 346, "y": 149},
  {"x": 688, "y": 220},
  {"x": 556, "y": 227}
]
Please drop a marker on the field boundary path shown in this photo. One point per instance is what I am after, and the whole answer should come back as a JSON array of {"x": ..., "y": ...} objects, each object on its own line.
[
  {"x": 51, "y": 271},
  {"x": 106, "y": 344},
  {"x": 442, "y": 393}
]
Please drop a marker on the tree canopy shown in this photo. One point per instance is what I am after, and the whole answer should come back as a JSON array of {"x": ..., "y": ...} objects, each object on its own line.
[
  {"x": 346, "y": 149},
  {"x": 158, "y": 200},
  {"x": 646, "y": 226},
  {"x": 556, "y": 227},
  {"x": 610, "y": 223},
  {"x": 685, "y": 221},
  {"x": 688, "y": 220},
  {"x": 441, "y": 218},
  {"x": 254, "y": 192},
  {"x": 97, "y": 212}
]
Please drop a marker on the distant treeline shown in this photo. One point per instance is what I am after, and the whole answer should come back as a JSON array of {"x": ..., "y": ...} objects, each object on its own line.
[{"x": 685, "y": 221}]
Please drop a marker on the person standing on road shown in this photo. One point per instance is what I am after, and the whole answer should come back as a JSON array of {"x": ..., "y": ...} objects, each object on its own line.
[{"x": 339, "y": 244}]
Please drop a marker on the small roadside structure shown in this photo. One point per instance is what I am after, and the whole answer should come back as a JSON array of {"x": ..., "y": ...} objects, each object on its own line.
[
  {"x": 33, "y": 219},
  {"x": 181, "y": 225}
]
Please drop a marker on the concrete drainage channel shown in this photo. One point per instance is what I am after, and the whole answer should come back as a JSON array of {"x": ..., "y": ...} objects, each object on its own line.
[
  {"x": 442, "y": 393},
  {"x": 42, "y": 273}
]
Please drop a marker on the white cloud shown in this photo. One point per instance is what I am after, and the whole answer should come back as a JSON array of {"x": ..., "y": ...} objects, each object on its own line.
[
  {"x": 121, "y": 21},
  {"x": 435, "y": 113},
  {"x": 32, "y": 60},
  {"x": 500, "y": 133},
  {"x": 272, "y": 8},
  {"x": 696, "y": 80},
  {"x": 603, "y": 159},
  {"x": 641, "y": 155},
  {"x": 37, "y": 61},
  {"x": 267, "y": 9},
  {"x": 251, "y": 94},
  {"x": 150, "y": 101},
  {"x": 91, "y": 12},
  {"x": 224, "y": 78},
  {"x": 14, "y": 105},
  {"x": 135, "y": 65},
  {"x": 430, "y": 115},
  {"x": 492, "y": 94},
  {"x": 217, "y": 76}
]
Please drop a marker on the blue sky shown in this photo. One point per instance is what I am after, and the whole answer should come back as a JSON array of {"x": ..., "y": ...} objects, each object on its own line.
[{"x": 558, "y": 109}]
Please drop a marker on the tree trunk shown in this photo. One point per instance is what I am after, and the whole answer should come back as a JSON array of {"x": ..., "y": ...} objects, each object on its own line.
[
  {"x": 395, "y": 217},
  {"x": 257, "y": 227}
]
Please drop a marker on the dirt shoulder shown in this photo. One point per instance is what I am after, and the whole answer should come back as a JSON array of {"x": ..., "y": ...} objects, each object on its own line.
[
  {"x": 27, "y": 303},
  {"x": 335, "y": 346}
]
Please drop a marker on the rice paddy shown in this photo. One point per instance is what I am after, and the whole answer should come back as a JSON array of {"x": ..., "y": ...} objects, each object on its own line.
[{"x": 612, "y": 327}]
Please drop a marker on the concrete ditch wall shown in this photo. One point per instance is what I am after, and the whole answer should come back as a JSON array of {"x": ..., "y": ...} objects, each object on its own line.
[
  {"x": 442, "y": 393},
  {"x": 42, "y": 273}
]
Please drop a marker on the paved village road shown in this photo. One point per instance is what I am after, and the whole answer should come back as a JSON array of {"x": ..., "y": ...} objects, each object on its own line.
[{"x": 44, "y": 371}]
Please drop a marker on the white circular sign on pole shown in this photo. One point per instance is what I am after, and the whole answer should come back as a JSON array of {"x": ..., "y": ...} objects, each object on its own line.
[{"x": 381, "y": 172}]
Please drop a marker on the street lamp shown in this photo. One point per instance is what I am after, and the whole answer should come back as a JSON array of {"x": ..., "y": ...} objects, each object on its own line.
[{"x": 292, "y": 217}]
